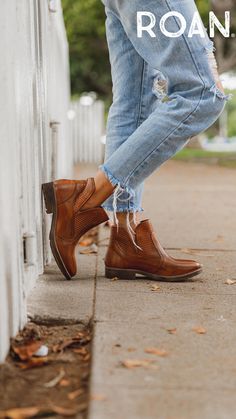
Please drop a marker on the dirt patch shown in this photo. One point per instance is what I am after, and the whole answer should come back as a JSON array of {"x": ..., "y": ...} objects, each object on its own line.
[{"x": 50, "y": 385}]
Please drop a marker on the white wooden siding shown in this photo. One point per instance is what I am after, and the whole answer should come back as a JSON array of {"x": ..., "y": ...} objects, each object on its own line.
[
  {"x": 35, "y": 145},
  {"x": 87, "y": 128}
]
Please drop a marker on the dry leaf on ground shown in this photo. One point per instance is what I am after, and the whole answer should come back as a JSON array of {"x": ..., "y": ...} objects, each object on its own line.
[
  {"x": 89, "y": 238},
  {"x": 188, "y": 251},
  {"x": 20, "y": 413},
  {"x": 155, "y": 288},
  {"x": 81, "y": 351},
  {"x": 78, "y": 340},
  {"x": 230, "y": 281},
  {"x": 86, "y": 358},
  {"x": 74, "y": 394},
  {"x": 93, "y": 249},
  {"x": 195, "y": 252},
  {"x": 135, "y": 363},
  {"x": 64, "y": 382},
  {"x": 33, "y": 363},
  {"x": 157, "y": 351},
  {"x": 199, "y": 330},
  {"x": 172, "y": 331},
  {"x": 26, "y": 350},
  {"x": 64, "y": 411},
  {"x": 98, "y": 397},
  {"x": 86, "y": 242}
]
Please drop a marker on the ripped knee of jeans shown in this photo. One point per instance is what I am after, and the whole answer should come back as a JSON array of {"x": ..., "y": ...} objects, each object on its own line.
[
  {"x": 160, "y": 87},
  {"x": 217, "y": 89}
]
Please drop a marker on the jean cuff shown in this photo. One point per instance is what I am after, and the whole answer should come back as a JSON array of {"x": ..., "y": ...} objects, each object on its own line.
[
  {"x": 116, "y": 182},
  {"x": 122, "y": 209}
]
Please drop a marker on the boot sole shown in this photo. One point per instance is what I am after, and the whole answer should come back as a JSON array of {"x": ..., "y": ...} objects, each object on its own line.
[
  {"x": 50, "y": 204},
  {"x": 131, "y": 274}
]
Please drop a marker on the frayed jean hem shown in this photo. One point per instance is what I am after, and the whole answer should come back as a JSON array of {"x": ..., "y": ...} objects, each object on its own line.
[
  {"x": 120, "y": 188},
  {"x": 116, "y": 182},
  {"x": 123, "y": 210}
]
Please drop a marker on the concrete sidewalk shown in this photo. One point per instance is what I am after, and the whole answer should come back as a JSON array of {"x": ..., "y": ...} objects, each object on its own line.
[{"x": 193, "y": 209}]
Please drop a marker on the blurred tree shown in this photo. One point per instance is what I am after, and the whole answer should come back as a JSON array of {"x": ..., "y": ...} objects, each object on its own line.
[
  {"x": 231, "y": 106},
  {"x": 225, "y": 47},
  {"x": 89, "y": 61},
  {"x": 90, "y": 68}
]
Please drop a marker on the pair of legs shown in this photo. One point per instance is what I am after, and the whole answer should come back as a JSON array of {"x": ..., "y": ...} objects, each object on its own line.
[{"x": 165, "y": 91}]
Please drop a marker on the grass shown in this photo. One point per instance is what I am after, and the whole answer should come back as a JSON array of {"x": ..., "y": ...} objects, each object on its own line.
[{"x": 207, "y": 157}]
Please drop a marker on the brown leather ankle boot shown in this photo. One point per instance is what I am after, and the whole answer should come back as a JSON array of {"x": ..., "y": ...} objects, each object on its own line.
[
  {"x": 124, "y": 260},
  {"x": 65, "y": 199}
]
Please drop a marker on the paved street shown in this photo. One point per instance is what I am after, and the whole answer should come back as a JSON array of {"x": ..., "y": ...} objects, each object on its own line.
[{"x": 193, "y": 209}]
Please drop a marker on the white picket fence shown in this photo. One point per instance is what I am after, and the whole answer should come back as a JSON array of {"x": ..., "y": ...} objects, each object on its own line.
[
  {"x": 35, "y": 145},
  {"x": 87, "y": 125}
]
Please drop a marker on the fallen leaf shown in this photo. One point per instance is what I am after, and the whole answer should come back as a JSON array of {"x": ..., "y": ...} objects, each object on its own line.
[
  {"x": 74, "y": 394},
  {"x": 64, "y": 382},
  {"x": 86, "y": 242},
  {"x": 155, "y": 288},
  {"x": 80, "y": 339},
  {"x": 64, "y": 411},
  {"x": 157, "y": 351},
  {"x": 86, "y": 357},
  {"x": 172, "y": 331},
  {"x": 55, "y": 380},
  {"x": 199, "y": 330},
  {"x": 90, "y": 250},
  {"x": 81, "y": 351},
  {"x": 98, "y": 397},
  {"x": 195, "y": 252},
  {"x": 131, "y": 349},
  {"x": 188, "y": 251},
  {"x": 136, "y": 363},
  {"x": 230, "y": 281},
  {"x": 89, "y": 238},
  {"x": 33, "y": 363},
  {"x": 25, "y": 351},
  {"x": 20, "y": 413}
]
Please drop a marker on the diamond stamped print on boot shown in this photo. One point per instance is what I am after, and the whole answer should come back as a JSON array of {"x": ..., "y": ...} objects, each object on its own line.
[
  {"x": 64, "y": 199},
  {"x": 124, "y": 260}
]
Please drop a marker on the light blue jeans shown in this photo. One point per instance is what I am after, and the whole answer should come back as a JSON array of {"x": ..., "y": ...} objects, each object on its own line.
[{"x": 165, "y": 91}]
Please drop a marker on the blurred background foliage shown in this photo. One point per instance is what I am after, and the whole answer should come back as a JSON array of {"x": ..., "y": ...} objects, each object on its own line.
[{"x": 89, "y": 59}]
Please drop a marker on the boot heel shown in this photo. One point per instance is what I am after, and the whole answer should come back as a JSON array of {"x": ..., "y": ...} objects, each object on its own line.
[
  {"x": 119, "y": 273},
  {"x": 49, "y": 197}
]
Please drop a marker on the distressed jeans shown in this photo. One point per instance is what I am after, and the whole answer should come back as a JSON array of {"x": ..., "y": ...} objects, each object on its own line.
[{"x": 165, "y": 91}]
